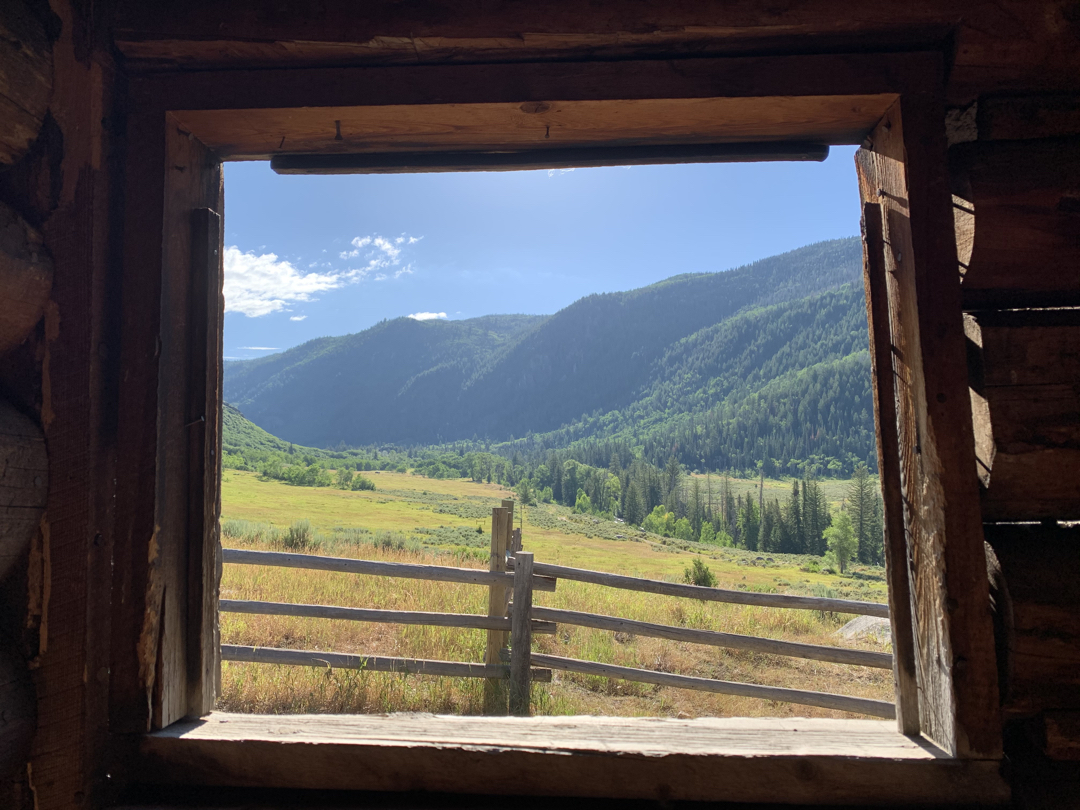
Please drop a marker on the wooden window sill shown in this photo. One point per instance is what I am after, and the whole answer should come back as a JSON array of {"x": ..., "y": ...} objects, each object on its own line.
[{"x": 709, "y": 759}]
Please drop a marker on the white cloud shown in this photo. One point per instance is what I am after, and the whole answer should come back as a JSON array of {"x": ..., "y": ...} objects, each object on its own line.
[
  {"x": 297, "y": 317},
  {"x": 427, "y": 316},
  {"x": 258, "y": 284},
  {"x": 261, "y": 348}
]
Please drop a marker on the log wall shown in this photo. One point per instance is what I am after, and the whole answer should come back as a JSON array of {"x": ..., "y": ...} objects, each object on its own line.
[{"x": 98, "y": 587}]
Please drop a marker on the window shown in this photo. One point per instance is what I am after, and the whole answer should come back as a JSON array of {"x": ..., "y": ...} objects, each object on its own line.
[{"x": 189, "y": 122}]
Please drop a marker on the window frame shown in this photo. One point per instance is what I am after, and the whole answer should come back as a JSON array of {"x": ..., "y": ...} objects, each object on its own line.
[{"x": 180, "y": 128}]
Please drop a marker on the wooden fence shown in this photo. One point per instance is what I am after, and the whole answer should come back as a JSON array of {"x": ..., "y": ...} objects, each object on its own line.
[{"x": 509, "y": 673}]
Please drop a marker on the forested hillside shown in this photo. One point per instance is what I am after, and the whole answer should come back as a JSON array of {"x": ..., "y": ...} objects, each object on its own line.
[{"x": 762, "y": 364}]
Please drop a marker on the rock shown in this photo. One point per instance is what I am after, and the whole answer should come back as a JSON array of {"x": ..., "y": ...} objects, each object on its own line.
[{"x": 872, "y": 627}]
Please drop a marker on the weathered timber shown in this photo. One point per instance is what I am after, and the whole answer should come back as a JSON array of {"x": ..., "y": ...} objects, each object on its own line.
[
  {"x": 710, "y": 594},
  {"x": 708, "y": 759},
  {"x": 26, "y": 76},
  {"x": 1041, "y": 568},
  {"x": 904, "y": 172},
  {"x": 874, "y": 708},
  {"x": 554, "y": 157},
  {"x": 1026, "y": 240},
  {"x": 436, "y": 573},
  {"x": 24, "y": 484},
  {"x": 814, "y": 652},
  {"x": 18, "y": 714},
  {"x": 495, "y": 692},
  {"x": 1023, "y": 117},
  {"x": 1027, "y": 419},
  {"x": 897, "y": 564},
  {"x": 466, "y": 620},
  {"x": 371, "y": 663},
  {"x": 521, "y": 636},
  {"x": 1062, "y": 732},
  {"x": 26, "y": 277}
]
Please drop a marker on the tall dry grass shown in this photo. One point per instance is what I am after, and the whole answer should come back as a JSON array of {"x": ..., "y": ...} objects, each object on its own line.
[{"x": 279, "y": 689}]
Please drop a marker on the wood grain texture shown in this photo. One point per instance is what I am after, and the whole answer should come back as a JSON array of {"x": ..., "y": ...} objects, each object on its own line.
[
  {"x": 347, "y": 565},
  {"x": 521, "y": 636},
  {"x": 897, "y": 561},
  {"x": 955, "y": 662},
  {"x": 874, "y": 708},
  {"x": 18, "y": 714},
  {"x": 710, "y": 594},
  {"x": 709, "y": 759},
  {"x": 26, "y": 76},
  {"x": 1024, "y": 117},
  {"x": 24, "y": 485},
  {"x": 1029, "y": 427},
  {"x": 467, "y": 620},
  {"x": 495, "y": 691},
  {"x": 1026, "y": 241},
  {"x": 768, "y": 646},
  {"x": 26, "y": 277},
  {"x": 1041, "y": 569},
  {"x": 373, "y": 663}
]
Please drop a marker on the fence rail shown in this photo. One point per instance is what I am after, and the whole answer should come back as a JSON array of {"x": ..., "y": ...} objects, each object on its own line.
[
  {"x": 510, "y": 673},
  {"x": 371, "y": 663},
  {"x": 772, "y": 600}
]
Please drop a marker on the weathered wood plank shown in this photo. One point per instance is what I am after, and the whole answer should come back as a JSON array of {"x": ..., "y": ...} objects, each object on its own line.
[
  {"x": 24, "y": 485},
  {"x": 710, "y": 594},
  {"x": 1016, "y": 117},
  {"x": 26, "y": 76},
  {"x": 352, "y": 614},
  {"x": 521, "y": 636},
  {"x": 815, "y": 652},
  {"x": 495, "y": 692},
  {"x": 554, "y": 157},
  {"x": 436, "y": 573},
  {"x": 26, "y": 276},
  {"x": 709, "y": 759},
  {"x": 372, "y": 663},
  {"x": 874, "y": 708},
  {"x": 897, "y": 563}
]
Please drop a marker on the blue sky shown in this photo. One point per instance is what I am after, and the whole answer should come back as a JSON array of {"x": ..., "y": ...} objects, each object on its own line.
[{"x": 312, "y": 256}]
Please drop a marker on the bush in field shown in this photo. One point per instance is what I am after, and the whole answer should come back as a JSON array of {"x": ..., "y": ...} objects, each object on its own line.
[
  {"x": 699, "y": 574},
  {"x": 708, "y": 533},
  {"x": 583, "y": 505},
  {"x": 683, "y": 530},
  {"x": 360, "y": 483},
  {"x": 841, "y": 541},
  {"x": 298, "y": 536},
  {"x": 344, "y": 478}
]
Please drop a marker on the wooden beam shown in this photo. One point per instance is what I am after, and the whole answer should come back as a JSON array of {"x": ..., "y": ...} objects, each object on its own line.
[
  {"x": 897, "y": 561},
  {"x": 767, "y": 646},
  {"x": 521, "y": 637},
  {"x": 347, "y": 565},
  {"x": 495, "y": 693},
  {"x": 367, "y": 615},
  {"x": 372, "y": 663},
  {"x": 710, "y": 759},
  {"x": 773, "y": 600},
  {"x": 552, "y": 158}
]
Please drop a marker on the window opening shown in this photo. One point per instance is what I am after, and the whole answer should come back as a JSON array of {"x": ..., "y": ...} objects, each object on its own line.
[{"x": 658, "y": 401}]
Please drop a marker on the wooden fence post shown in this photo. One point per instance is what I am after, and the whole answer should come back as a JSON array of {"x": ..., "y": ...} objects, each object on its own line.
[
  {"x": 495, "y": 688},
  {"x": 521, "y": 636}
]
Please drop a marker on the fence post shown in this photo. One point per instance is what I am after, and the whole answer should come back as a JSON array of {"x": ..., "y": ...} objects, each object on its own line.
[
  {"x": 521, "y": 636},
  {"x": 495, "y": 688}
]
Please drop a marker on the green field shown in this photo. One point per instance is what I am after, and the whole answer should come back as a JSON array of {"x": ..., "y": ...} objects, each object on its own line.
[{"x": 414, "y": 519}]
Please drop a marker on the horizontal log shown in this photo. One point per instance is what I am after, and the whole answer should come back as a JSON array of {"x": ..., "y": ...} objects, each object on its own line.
[
  {"x": 26, "y": 275},
  {"x": 522, "y": 159},
  {"x": 345, "y": 565},
  {"x": 371, "y": 663},
  {"x": 815, "y": 652},
  {"x": 711, "y": 594},
  {"x": 24, "y": 484},
  {"x": 466, "y": 620},
  {"x": 824, "y": 700},
  {"x": 26, "y": 76}
]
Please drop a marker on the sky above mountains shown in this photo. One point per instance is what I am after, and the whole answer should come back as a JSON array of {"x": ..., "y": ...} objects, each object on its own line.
[{"x": 312, "y": 256}]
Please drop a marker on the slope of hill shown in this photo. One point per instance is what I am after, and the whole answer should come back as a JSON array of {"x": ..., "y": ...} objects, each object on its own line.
[{"x": 636, "y": 363}]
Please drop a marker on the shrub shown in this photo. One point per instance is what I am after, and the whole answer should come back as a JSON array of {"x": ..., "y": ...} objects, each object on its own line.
[
  {"x": 361, "y": 483},
  {"x": 699, "y": 574},
  {"x": 298, "y": 535}
]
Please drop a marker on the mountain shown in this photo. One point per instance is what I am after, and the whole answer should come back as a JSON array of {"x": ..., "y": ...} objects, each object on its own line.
[{"x": 696, "y": 350}]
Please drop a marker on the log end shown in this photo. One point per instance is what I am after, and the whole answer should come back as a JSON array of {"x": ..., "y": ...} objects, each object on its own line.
[
  {"x": 24, "y": 484},
  {"x": 26, "y": 274}
]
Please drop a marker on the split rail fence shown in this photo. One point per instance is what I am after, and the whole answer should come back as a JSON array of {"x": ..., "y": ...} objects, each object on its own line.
[{"x": 509, "y": 673}]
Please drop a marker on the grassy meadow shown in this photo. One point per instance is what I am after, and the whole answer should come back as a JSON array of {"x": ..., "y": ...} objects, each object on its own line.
[{"x": 409, "y": 518}]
